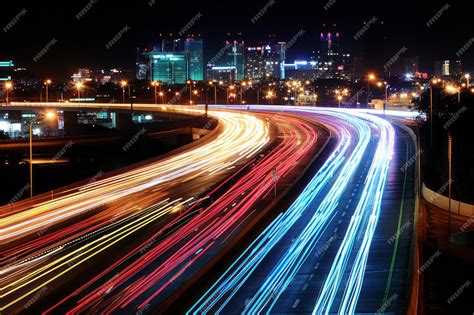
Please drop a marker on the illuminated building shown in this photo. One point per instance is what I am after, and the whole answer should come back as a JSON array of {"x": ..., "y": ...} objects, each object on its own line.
[
  {"x": 226, "y": 73},
  {"x": 332, "y": 63},
  {"x": 265, "y": 61},
  {"x": 6, "y": 68},
  {"x": 176, "y": 62},
  {"x": 169, "y": 67},
  {"x": 448, "y": 68},
  {"x": 194, "y": 48},
  {"x": 230, "y": 61}
]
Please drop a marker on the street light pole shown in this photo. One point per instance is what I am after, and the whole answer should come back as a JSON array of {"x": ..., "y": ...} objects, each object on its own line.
[
  {"x": 368, "y": 93},
  {"x": 47, "y": 83},
  {"x": 450, "y": 181},
  {"x": 431, "y": 116},
  {"x": 30, "y": 125},
  {"x": 8, "y": 87},
  {"x": 387, "y": 86},
  {"x": 31, "y": 158}
]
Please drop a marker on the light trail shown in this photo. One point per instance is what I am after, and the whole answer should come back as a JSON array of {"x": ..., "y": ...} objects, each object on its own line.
[
  {"x": 288, "y": 265},
  {"x": 284, "y": 271},
  {"x": 242, "y": 136},
  {"x": 167, "y": 262},
  {"x": 131, "y": 207},
  {"x": 364, "y": 221}
]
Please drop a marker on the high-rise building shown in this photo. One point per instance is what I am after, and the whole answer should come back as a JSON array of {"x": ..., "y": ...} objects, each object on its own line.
[
  {"x": 232, "y": 61},
  {"x": 6, "y": 69},
  {"x": 142, "y": 65},
  {"x": 177, "y": 61},
  {"x": 329, "y": 44},
  {"x": 332, "y": 63},
  {"x": 443, "y": 68},
  {"x": 194, "y": 48},
  {"x": 264, "y": 61},
  {"x": 168, "y": 67}
]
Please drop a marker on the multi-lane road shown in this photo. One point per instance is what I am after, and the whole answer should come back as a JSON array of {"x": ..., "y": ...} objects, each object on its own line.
[
  {"x": 135, "y": 240},
  {"x": 344, "y": 245}
]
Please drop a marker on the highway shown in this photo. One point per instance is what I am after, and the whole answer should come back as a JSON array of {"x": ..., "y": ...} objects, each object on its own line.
[
  {"x": 134, "y": 225},
  {"x": 136, "y": 239},
  {"x": 343, "y": 246},
  {"x": 43, "y": 241}
]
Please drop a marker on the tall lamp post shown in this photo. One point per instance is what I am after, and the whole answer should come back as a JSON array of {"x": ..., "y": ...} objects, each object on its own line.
[
  {"x": 370, "y": 78},
  {"x": 190, "y": 83},
  {"x": 155, "y": 85},
  {"x": 387, "y": 86},
  {"x": 124, "y": 84},
  {"x": 49, "y": 116},
  {"x": 47, "y": 83},
  {"x": 8, "y": 87}
]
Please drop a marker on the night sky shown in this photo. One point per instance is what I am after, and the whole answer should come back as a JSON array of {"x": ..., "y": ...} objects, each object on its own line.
[{"x": 82, "y": 43}]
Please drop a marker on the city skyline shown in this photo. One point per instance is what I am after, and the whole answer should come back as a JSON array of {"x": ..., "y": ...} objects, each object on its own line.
[{"x": 83, "y": 33}]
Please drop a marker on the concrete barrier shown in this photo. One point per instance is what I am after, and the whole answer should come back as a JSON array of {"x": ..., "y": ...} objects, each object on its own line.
[{"x": 442, "y": 202}]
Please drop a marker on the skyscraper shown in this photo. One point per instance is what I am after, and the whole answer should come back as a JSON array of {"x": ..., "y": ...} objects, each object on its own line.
[
  {"x": 177, "y": 61},
  {"x": 169, "y": 67},
  {"x": 263, "y": 61},
  {"x": 442, "y": 68},
  {"x": 233, "y": 58},
  {"x": 329, "y": 44},
  {"x": 194, "y": 48}
]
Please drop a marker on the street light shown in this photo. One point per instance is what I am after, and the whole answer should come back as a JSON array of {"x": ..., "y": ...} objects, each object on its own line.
[
  {"x": 190, "y": 83},
  {"x": 49, "y": 116},
  {"x": 371, "y": 77},
  {"x": 155, "y": 85},
  {"x": 124, "y": 83},
  {"x": 8, "y": 87},
  {"x": 79, "y": 86},
  {"x": 468, "y": 77},
  {"x": 47, "y": 83},
  {"x": 387, "y": 86},
  {"x": 162, "y": 97}
]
